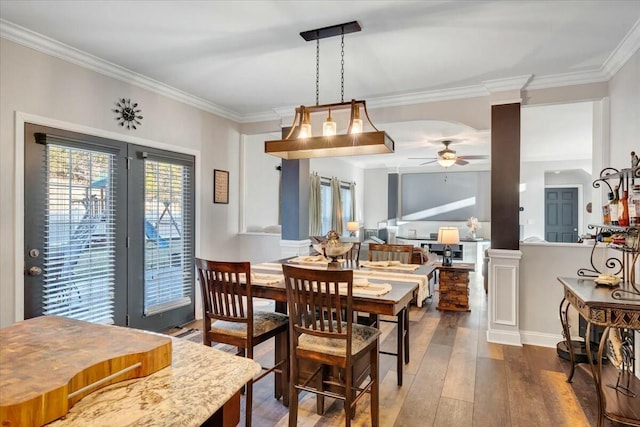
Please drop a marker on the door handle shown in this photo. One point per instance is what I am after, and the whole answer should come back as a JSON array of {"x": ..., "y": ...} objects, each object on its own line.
[{"x": 35, "y": 271}]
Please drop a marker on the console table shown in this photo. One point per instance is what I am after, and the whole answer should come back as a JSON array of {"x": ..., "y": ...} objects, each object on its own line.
[
  {"x": 598, "y": 307},
  {"x": 453, "y": 286}
]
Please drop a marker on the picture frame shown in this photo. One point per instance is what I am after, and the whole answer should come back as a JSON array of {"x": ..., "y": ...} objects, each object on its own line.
[{"x": 220, "y": 186}]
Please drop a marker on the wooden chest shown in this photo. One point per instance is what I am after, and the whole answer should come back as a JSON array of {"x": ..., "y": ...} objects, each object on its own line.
[{"x": 454, "y": 287}]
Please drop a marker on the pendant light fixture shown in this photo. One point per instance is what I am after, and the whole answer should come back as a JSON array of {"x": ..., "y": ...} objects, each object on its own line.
[{"x": 300, "y": 142}]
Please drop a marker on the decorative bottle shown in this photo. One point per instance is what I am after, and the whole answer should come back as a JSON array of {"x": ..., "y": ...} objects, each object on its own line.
[
  {"x": 634, "y": 206},
  {"x": 606, "y": 215},
  {"x": 623, "y": 209},
  {"x": 613, "y": 207}
]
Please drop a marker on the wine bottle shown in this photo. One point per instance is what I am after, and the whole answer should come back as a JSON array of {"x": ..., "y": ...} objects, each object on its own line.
[
  {"x": 634, "y": 206},
  {"x": 623, "y": 209},
  {"x": 613, "y": 207},
  {"x": 606, "y": 215}
]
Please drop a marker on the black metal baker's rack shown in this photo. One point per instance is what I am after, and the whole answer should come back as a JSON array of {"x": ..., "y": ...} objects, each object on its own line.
[{"x": 625, "y": 264}]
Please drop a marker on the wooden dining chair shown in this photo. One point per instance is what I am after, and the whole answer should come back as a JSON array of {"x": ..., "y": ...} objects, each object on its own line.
[
  {"x": 330, "y": 354},
  {"x": 388, "y": 252},
  {"x": 229, "y": 318},
  {"x": 354, "y": 253}
]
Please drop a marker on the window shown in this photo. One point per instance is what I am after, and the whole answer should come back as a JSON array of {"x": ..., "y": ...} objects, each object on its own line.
[{"x": 325, "y": 205}]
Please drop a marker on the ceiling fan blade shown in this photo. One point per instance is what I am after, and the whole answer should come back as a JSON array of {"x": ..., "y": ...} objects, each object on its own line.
[
  {"x": 473, "y": 157},
  {"x": 429, "y": 162},
  {"x": 461, "y": 162}
]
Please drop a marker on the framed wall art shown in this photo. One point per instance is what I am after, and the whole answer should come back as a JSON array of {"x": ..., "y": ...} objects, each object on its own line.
[{"x": 220, "y": 186}]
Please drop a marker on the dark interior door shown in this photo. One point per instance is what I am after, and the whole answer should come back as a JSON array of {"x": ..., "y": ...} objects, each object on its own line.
[
  {"x": 109, "y": 231},
  {"x": 561, "y": 215}
]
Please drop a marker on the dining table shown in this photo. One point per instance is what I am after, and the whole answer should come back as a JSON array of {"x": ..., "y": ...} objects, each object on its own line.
[{"x": 388, "y": 291}]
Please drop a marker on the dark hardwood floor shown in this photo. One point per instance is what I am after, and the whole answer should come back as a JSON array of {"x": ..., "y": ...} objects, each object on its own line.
[{"x": 455, "y": 378}]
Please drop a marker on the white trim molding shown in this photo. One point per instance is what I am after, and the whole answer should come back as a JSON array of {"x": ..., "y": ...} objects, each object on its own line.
[
  {"x": 289, "y": 248},
  {"x": 49, "y": 46},
  {"x": 540, "y": 339},
  {"x": 503, "y": 300}
]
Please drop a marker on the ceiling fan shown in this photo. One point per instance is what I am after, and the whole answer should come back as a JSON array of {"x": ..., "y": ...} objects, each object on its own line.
[{"x": 448, "y": 157}]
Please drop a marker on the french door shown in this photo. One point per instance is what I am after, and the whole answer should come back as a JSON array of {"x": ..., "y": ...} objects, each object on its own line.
[{"x": 108, "y": 231}]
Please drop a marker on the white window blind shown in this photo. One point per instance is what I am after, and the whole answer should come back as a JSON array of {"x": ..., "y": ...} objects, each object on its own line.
[
  {"x": 168, "y": 234},
  {"x": 79, "y": 250}
]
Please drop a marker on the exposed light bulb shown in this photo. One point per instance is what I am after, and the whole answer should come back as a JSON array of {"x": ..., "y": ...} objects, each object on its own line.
[
  {"x": 356, "y": 122},
  {"x": 305, "y": 127},
  {"x": 329, "y": 127}
]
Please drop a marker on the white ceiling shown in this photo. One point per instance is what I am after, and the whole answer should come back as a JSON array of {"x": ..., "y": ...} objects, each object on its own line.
[{"x": 246, "y": 61}]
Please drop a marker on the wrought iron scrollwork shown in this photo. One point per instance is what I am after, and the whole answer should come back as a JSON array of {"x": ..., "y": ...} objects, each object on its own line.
[{"x": 605, "y": 175}]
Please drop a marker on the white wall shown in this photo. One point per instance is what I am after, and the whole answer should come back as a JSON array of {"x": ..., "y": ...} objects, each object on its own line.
[
  {"x": 260, "y": 182},
  {"x": 540, "y": 291},
  {"x": 60, "y": 92},
  {"x": 624, "y": 89},
  {"x": 532, "y": 175},
  {"x": 375, "y": 197}
]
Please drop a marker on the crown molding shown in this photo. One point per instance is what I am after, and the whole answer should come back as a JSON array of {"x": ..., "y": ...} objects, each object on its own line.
[
  {"x": 625, "y": 49},
  {"x": 427, "y": 96},
  {"x": 568, "y": 79},
  {"x": 516, "y": 83},
  {"x": 49, "y": 46}
]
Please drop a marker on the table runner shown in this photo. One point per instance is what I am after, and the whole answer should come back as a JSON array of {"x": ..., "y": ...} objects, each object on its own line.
[
  {"x": 389, "y": 265},
  {"x": 421, "y": 280}
]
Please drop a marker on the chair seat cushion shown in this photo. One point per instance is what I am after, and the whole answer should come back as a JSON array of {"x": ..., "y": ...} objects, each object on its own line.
[
  {"x": 263, "y": 322},
  {"x": 362, "y": 336}
]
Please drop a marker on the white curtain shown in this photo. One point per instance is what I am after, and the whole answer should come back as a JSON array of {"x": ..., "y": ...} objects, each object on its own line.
[
  {"x": 336, "y": 206},
  {"x": 315, "y": 212}
]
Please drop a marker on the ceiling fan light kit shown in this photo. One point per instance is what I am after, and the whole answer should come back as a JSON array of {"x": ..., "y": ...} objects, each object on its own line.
[
  {"x": 448, "y": 157},
  {"x": 300, "y": 142}
]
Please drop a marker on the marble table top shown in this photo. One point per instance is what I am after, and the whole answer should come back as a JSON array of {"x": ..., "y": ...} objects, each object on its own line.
[{"x": 199, "y": 381}]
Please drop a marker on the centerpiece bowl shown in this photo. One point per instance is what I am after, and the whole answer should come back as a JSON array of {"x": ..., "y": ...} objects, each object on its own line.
[{"x": 333, "y": 248}]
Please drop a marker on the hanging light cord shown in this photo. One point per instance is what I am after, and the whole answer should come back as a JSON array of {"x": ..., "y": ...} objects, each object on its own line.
[
  {"x": 342, "y": 67},
  {"x": 318, "y": 72}
]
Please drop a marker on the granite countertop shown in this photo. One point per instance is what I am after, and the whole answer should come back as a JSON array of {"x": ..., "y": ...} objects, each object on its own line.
[{"x": 199, "y": 381}]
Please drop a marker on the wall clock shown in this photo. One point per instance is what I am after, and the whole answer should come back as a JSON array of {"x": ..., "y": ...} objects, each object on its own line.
[{"x": 127, "y": 113}]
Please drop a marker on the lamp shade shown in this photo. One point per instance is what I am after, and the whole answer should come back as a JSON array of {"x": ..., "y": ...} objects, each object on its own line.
[
  {"x": 353, "y": 226},
  {"x": 448, "y": 235}
]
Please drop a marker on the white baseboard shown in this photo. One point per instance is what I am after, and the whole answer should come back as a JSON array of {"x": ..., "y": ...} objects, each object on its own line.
[
  {"x": 504, "y": 337},
  {"x": 540, "y": 339}
]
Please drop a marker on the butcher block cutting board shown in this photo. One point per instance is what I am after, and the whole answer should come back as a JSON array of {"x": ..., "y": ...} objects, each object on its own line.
[{"x": 49, "y": 363}]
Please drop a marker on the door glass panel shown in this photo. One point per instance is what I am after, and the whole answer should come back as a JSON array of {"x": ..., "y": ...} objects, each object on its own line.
[
  {"x": 168, "y": 230},
  {"x": 79, "y": 247}
]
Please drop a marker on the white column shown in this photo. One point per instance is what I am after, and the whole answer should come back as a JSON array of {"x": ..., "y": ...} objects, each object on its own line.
[
  {"x": 289, "y": 248},
  {"x": 503, "y": 299}
]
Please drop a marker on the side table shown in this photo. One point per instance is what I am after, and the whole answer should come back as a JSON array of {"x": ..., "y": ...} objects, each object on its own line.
[{"x": 454, "y": 286}]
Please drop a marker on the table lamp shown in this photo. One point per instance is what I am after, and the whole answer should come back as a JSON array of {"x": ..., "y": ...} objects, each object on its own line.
[
  {"x": 448, "y": 236},
  {"x": 352, "y": 227}
]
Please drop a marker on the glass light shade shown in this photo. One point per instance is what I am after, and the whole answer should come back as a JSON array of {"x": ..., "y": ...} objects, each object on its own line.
[
  {"x": 329, "y": 127},
  {"x": 305, "y": 130},
  {"x": 353, "y": 226},
  {"x": 448, "y": 235},
  {"x": 356, "y": 126},
  {"x": 445, "y": 163}
]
